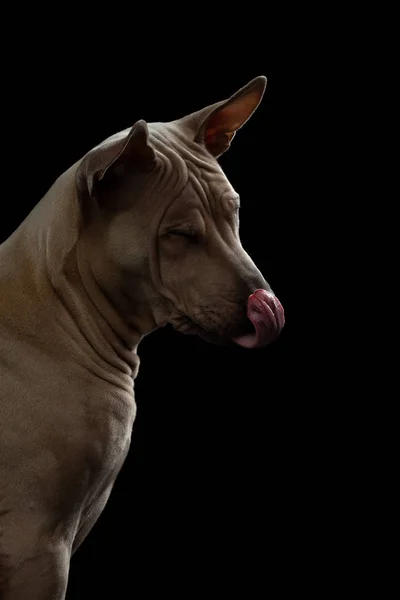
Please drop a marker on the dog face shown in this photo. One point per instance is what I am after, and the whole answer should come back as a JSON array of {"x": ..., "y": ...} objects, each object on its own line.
[{"x": 166, "y": 223}]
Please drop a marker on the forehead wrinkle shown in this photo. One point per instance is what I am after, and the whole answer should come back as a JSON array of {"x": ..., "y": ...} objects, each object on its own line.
[
  {"x": 202, "y": 190},
  {"x": 169, "y": 157},
  {"x": 216, "y": 193},
  {"x": 204, "y": 173},
  {"x": 191, "y": 150},
  {"x": 186, "y": 149}
]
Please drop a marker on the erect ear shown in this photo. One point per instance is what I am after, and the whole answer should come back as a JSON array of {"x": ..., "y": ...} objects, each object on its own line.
[
  {"x": 118, "y": 154},
  {"x": 216, "y": 125}
]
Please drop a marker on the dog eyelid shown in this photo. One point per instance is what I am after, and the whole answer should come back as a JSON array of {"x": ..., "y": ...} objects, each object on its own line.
[{"x": 184, "y": 231}]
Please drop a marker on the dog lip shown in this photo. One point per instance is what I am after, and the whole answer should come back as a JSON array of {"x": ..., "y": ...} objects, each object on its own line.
[{"x": 194, "y": 328}]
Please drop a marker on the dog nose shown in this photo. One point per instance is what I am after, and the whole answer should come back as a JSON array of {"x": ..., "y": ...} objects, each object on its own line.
[{"x": 267, "y": 316}]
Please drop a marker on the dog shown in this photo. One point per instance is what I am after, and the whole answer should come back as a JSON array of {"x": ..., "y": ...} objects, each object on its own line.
[{"x": 141, "y": 232}]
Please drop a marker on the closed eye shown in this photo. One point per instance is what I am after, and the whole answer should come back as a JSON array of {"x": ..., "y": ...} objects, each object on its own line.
[{"x": 185, "y": 233}]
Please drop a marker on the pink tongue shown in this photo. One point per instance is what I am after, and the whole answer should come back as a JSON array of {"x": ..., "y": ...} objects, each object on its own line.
[{"x": 267, "y": 315}]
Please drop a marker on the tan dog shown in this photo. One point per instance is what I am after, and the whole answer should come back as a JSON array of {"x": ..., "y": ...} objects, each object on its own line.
[{"x": 141, "y": 232}]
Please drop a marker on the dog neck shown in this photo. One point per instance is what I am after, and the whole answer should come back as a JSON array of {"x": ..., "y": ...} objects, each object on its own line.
[{"x": 50, "y": 235}]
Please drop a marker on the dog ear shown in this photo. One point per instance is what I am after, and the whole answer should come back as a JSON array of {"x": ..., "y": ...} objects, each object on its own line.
[
  {"x": 216, "y": 125},
  {"x": 114, "y": 156}
]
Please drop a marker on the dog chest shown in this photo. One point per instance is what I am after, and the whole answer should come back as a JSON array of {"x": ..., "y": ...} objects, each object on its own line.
[{"x": 64, "y": 432}]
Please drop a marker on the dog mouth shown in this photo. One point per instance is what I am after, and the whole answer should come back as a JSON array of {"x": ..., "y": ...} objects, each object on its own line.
[
  {"x": 214, "y": 332},
  {"x": 184, "y": 324},
  {"x": 256, "y": 328}
]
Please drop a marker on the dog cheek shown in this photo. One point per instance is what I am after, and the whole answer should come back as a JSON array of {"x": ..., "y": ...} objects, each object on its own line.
[
  {"x": 169, "y": 274},
  {"x": 127, "y": 249},
  {"x": 171, "y": 261}
]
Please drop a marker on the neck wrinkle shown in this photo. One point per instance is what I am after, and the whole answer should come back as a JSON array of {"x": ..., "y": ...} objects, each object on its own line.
[
  {"x": 114, "y": 342},
  {"x": 121, "y": 337}
]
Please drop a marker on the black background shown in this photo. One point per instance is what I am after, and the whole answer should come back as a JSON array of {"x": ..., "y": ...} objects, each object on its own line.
[{"x": 223, "y": 477}]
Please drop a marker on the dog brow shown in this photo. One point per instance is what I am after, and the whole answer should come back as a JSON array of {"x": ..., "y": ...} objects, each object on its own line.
[
  {"x": 236, "y": 201},
  {"x": 232, "y": 201}
]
